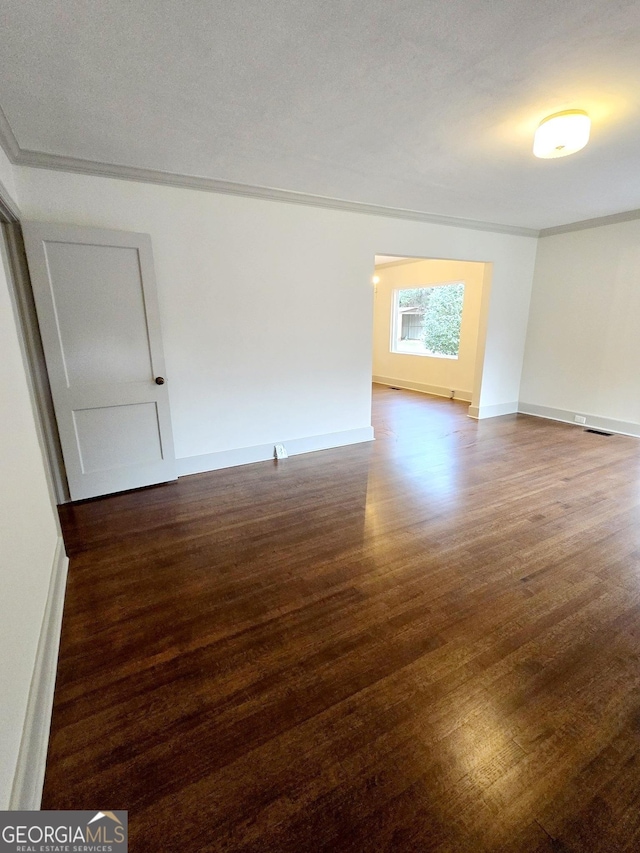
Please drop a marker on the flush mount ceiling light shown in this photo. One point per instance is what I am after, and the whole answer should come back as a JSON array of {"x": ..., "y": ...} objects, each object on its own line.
[{"x": 561, "y": 134}]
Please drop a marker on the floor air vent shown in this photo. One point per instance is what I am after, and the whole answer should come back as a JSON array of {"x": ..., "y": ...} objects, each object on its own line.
[{"x": 598, "y": 432}]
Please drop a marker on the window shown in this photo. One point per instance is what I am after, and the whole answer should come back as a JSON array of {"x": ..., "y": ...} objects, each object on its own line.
[{"x": 426, "y": 320}]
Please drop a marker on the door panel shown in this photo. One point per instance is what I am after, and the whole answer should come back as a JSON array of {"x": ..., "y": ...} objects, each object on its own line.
[
  {"x": 90, "y": 320},
  {"x": 117, "y": 436},
  {"x": 98, "y": 314}
]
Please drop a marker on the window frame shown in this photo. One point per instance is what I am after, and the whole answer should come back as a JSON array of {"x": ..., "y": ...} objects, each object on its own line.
[{"x": 396, "y": 321}]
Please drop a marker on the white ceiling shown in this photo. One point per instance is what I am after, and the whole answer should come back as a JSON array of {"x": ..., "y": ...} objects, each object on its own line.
[{"x": 416, "y": 104}]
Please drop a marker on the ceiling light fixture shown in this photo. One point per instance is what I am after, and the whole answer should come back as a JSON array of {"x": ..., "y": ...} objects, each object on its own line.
[{"x": 561, "y": 134}]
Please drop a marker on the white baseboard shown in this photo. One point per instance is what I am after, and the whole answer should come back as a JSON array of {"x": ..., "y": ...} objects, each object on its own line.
[
  {"x": 592, "y": 421},
  {"x": 264, "y": 452},
  {"x": 481, "y": 412},
  {"x": 32, "y": 756},
  {"x": 436, "y": 390}
]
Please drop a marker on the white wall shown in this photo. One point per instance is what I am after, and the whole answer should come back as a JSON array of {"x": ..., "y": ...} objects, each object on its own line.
[
  {"x": 28, "y": 539},
  {"x": 583, "y": 344},
  {"x": 267, "y": 307},
  {"x": 267, "y": 319},
  {"x": 426, "y": 373}
]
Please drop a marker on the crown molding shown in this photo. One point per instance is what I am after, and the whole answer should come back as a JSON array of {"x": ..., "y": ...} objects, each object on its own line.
[
  {"x": 56, "y": 162},
  {"x": 39, "y": 160},
  {"x": 8, "y": 140},
  {"x": 8, "y": 209},
  {"x": 598, "y": 222}
]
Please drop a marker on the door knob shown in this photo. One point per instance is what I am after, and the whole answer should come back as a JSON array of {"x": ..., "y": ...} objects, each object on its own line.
[{"x": 159, "y": 380}]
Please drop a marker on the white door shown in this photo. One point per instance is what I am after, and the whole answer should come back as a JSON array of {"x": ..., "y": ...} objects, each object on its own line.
[{"x": 98, "y": 314}]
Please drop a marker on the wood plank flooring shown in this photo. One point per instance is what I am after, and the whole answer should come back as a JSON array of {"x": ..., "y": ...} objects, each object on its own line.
[{"x": 426, "y": 643}]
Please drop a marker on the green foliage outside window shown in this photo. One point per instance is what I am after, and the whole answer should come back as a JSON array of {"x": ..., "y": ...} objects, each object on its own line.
[
  {"x": 415, "y": 297},
  {"x": 440, "y": 308},
  {"x": 441, "y": 330}
]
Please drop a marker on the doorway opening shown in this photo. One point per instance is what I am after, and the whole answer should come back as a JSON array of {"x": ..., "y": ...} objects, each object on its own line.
[{"x": 429, "y": 325}]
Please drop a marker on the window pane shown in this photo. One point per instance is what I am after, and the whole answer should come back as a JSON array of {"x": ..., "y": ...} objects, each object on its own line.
[{"x": 427, "y": 320}]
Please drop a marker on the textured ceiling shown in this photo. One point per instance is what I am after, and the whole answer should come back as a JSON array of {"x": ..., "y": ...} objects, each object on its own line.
[{"x": 428, "y": 106}]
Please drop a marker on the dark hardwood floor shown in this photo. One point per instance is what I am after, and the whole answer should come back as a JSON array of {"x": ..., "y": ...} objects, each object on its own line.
[{"x": 426, "y": 643}]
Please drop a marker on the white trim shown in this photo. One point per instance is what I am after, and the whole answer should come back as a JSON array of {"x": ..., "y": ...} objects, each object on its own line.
[
  {"x": 592, "y": 422},
  {"x": 32, "y": 756},
  {"x": 56, "y": 162},
  {"x": 8, "y": 139},
  {"x": 598, "y": 222},
  {"x": 34, "y": 364},
  {"x": 9, "y": 210},
  {"x": 495, "y": 411},
  {"x": 396, "y": 324},
  {"x": 41, "y": 160},
  {"x": 435, "y": 390},
  {"x": 263, "y": 452}
]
